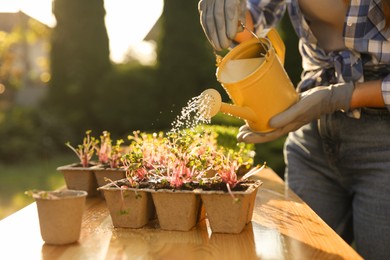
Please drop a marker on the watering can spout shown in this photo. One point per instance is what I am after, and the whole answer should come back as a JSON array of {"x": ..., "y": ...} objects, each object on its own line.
[{"x": 211, "y": 103}]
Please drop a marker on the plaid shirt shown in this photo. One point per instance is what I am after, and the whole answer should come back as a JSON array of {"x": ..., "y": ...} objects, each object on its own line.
[{"x": 365, "y": 36}]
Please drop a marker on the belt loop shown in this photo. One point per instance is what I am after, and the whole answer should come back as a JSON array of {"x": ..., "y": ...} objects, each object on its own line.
[{"x": 321, "y": 125}]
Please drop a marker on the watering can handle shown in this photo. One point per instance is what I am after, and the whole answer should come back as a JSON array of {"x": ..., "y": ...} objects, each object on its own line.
[{"x": 277, "y": 42}]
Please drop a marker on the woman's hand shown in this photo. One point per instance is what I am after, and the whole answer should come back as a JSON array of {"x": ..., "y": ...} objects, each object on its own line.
[{"x": 221, "y": 20}]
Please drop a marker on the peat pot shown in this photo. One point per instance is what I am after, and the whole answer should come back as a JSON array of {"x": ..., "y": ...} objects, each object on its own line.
[
  {"x": 128, "y": 207},
  {"x": 177, "y": 210},
  {"x": 101, "y": 174},
  {"x": 79, "y": 178},
  {"x": 227, "y": 214},
  {"x": 60, "y": 215}
]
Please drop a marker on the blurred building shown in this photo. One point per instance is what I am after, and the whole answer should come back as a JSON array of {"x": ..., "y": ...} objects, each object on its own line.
[{"x": 24, "y": 59}]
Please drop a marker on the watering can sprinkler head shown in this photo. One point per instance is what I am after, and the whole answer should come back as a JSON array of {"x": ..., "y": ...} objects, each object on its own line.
[{"x": 210, "y": 103}]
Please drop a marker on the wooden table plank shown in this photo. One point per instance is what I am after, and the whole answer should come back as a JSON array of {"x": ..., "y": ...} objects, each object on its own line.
[
  {"x": 283, "y": 227},
  {"x": 297, "y": 228}
]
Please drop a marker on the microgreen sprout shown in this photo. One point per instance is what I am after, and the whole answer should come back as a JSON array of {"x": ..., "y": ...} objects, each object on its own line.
[
  {"x": 86, "y": 150},
  {"x": 180, "y": 158}
]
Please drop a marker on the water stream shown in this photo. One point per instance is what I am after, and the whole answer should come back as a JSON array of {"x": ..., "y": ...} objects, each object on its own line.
[{"x": 192, "y": 115}]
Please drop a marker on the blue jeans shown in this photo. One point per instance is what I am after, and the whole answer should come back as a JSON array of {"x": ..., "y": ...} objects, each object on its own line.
[{"x": 340, "y": 166}]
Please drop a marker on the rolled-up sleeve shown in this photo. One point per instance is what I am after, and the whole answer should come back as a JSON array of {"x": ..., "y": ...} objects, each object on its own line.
[
  {"x": 386, "y": 91},
  {"x": 266, "y": 13}
]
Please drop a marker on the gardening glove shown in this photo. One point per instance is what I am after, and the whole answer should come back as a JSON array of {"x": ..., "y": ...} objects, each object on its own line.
[
  {"x": 311, "y": 105},
  {"x": 221, "y": 20},
  {"x": 245, "y": 134}
]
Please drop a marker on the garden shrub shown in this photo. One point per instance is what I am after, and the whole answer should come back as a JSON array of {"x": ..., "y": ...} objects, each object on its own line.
[
  {"x": 126, "y": 100},
  {"x": 28, "y": 134}
]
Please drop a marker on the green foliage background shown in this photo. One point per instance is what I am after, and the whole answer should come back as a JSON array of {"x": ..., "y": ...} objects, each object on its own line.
[{"x": 79, "y": 58}]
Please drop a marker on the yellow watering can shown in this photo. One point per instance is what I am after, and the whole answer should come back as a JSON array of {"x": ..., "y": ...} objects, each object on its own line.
[{"x": 253, "y": 76}]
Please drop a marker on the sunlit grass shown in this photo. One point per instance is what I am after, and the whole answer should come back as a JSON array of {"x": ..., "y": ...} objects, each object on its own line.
[{"x": 16, "y": 179}]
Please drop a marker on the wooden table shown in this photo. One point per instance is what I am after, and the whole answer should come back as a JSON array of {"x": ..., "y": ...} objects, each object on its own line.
[{"x": 283, "y": 227}]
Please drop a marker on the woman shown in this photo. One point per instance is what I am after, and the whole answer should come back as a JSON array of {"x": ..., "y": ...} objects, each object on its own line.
[{"x": 338, "y": 147}]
